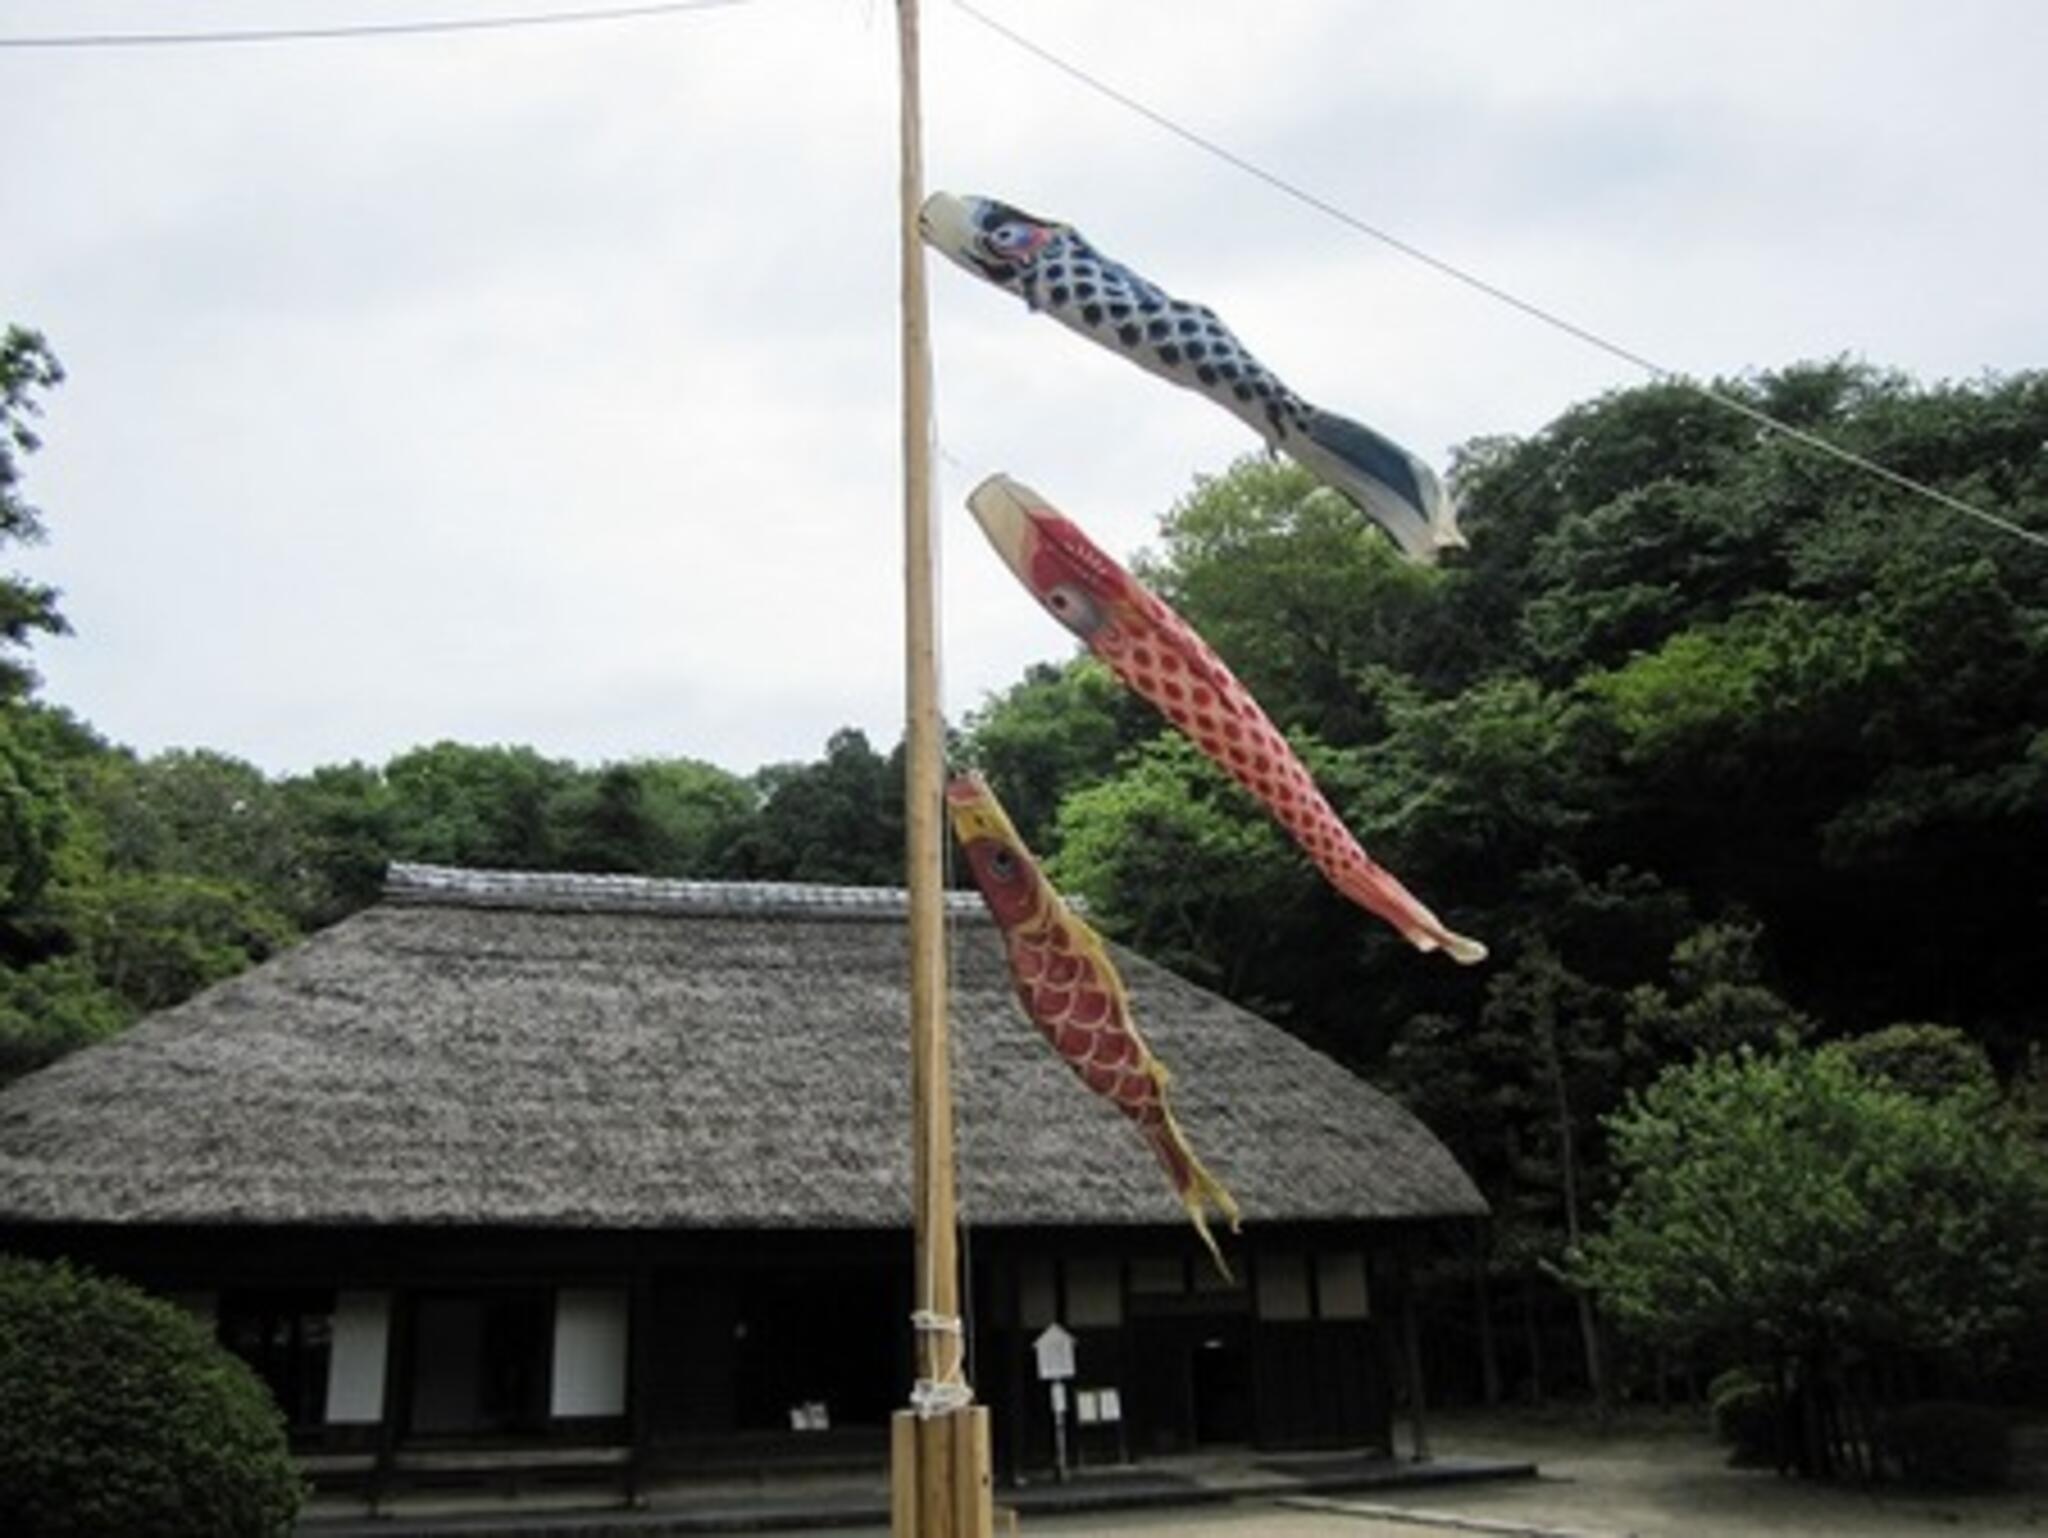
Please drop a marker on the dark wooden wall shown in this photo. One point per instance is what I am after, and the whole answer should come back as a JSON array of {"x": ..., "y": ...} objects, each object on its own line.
[{"x": 727, "y": 1326}]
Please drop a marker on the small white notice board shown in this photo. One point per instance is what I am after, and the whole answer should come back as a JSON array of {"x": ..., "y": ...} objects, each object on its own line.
[{"x": 1055, "y": 1348}]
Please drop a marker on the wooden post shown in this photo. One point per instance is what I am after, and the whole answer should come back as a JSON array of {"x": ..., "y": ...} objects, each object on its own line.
[
  {"x": 903, "y": 1475},
  {"x": 640, "y": 1367},
  {"x": 940, "y": 1480},
  {"x": 1411, "y": 1351},
  {"x": 397, "y": 1382}
]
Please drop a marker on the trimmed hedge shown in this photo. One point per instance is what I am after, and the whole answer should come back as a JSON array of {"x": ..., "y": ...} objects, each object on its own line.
[
  {"x": 1747, "y": 1417},
  {"x": 120, "y": 1414}
]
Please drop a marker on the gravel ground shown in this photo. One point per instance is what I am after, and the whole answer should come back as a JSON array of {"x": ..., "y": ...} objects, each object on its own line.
[{"x": 1654, "y": 1478}]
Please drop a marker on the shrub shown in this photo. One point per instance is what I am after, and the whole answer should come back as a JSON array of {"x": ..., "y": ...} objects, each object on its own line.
[
  {"x": 1950, "y": 1445},
  {"x": 1746, "y": 1416},
  {"x": 122, "y": 1415}
]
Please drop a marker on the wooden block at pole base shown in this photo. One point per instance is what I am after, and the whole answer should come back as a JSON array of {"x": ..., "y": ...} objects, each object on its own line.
[
  {"x": 935, "y": 1478},
  {"x": 903, "y": 1475},
  {"x": 973, "y": 1486},
  {"x": 940, "y": 1483}
]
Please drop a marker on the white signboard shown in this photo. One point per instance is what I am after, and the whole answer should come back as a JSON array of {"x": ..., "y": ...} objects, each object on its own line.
[
  {"x": 1098, "y": 1406},
  {"x": 1055, "y": 1348}
]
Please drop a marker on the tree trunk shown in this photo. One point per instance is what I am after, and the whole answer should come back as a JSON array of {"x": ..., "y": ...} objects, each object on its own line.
[
  {"x": 1781, "y": 1395},
  {"x": 1532, "y": 1332},
  {"x": 1568, "y": 1161},
  {"x": 1489, "y": 1348}
]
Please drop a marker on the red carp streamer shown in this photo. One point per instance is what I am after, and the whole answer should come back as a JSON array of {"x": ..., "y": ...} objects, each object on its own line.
[
  {"x": 1158, "y": 654},
  {"x": 1070, "y": 989}
]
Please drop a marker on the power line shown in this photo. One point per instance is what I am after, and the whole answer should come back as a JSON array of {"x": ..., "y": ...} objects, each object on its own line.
[
  {"x": 1494, "y": 291},
  {"x": 503, "y": 23}
]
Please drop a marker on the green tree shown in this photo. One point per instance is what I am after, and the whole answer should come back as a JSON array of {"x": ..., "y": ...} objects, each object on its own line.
[
  {"x": 49, "y": 1008},
  {"x": 197, "y": 813},
  {"x": 1057, "y": 730},
  {"x": 27, "y": 368},
  {"x": 1787, "y": 1208},
  {"x": 836, "y": 820},
  {"x": 344, "y": 822},
  {"x": 488, "y": 807},
  {"x": 156, "y": 939},
  {"x": 1176, "y": 860},
  {"x": 1934, "y": 1062},
  {"x": 1716, "y": 1001},
  {"x": 1305, "y": 598},
  {"x": 34, "y": 823},
  {"x": 672, "y": 817}
]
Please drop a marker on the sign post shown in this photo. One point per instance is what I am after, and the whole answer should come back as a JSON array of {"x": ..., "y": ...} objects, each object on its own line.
[{"x": 1055, "y": 1350}]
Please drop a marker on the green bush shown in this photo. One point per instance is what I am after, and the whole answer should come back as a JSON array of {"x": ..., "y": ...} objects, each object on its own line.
[
  {"x": 1950, "y": 1445},
  {"x": 1746, "y": 1417},
  {"x": 52, "y": 1008},
  {"x": 119, "y": 1414}
]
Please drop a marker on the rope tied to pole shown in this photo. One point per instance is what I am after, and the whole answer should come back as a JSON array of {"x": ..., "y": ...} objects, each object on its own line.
[{"x": 930, "y": 1397}]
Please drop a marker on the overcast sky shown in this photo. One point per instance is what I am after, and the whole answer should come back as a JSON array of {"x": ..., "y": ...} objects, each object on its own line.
[{"x": 540, "y": 387}]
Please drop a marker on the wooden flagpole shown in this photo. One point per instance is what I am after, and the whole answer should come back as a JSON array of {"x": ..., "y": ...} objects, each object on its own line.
[{"x": 939, "y": 1449}]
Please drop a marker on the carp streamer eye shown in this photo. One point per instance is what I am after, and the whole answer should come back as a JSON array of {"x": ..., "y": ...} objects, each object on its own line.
[
  {"x": 1074, "y": 609},
  {"x": 1013, "y": 239},
  {"x": 1003, "y": 864}
]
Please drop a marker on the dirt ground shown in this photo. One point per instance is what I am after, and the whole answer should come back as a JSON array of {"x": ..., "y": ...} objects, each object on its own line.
[{"x": 1654, "y": 1477}]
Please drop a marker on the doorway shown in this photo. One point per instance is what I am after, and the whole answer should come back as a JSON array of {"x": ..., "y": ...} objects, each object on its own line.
[
  {"x": 1222, "y": 1382},
  {"x": 480, "y": 1362}
]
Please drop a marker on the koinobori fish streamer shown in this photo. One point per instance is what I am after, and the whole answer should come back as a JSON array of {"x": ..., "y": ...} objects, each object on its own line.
[
  {"x": 1051, "y": 267},
  {"x": 1074, "y": 995},
  {"x": 1159, "y": 655}
]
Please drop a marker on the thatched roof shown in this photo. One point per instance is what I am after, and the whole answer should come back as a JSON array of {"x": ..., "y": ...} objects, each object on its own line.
[{"x": 492, "y": 1048}]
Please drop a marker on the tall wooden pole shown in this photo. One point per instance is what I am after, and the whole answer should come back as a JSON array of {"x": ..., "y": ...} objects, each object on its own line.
[
  {"x": 930, "y": 1078},
  {"x": 939, "y": 1449}
]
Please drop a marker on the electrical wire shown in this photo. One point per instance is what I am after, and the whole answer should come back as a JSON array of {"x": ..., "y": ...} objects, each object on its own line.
[
  {"x": 500, "y": 23},
  {"x": 1494, "y": 291}
]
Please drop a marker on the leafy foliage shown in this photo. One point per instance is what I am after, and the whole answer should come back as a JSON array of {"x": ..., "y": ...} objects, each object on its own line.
[
  {"x": 1934, "y": 1062},
  {"x": 1056, "y": 730},
  {"x": 1786, "y": 1203},
  {"x": 840, "y": 820},
  {"x": 124, "y": 1416},
  {"x": 1178, "y": 851},
  {"x": 27, "y": 367},
  {"x": 51, "y": 1008},
  {"x": 1300, "y": 593}
]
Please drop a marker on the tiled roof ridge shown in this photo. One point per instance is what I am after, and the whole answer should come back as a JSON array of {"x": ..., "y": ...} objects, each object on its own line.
[{"x": 462, "y": 887}]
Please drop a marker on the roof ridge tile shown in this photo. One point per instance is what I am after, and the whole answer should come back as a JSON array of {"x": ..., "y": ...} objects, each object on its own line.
[{"x": 453, "y": 886}]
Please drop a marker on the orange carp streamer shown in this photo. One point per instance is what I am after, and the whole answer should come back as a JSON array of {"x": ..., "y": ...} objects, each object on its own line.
[
  {"x": 1159, "y": 655},
  {"x": 1070, "y": 989}
]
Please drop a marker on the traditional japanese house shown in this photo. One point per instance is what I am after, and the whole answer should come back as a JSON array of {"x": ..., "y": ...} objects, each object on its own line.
[{"x": 576, "y": 1170}]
